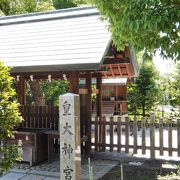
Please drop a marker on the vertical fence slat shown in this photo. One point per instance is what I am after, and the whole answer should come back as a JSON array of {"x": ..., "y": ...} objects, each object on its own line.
[
  {"x": 143, "y": 126},
  {"x": 37, "y": 117},
  {"x": 127, "y": 135},
  {"x": 40, "y": 117},
  {"x": 23, "y": 115},
  {"x": 111, "y": 134},
  {"x": 49, "y": 117},
  {"x": 152, "y": 131},
  {"x": 103, "y": 134},
  {"x": 34, "y": 116},
  {"x": 119, "y": 134},
  {"x": 170, "y": 137},
  {"x": 46, "y": 122},
  {"x": 28, "y": 116},
  {"x": 52, "y": 117},
  {"x": 44, "y": 117},
  {"x": 178, "y": 137},
  {"x": 135, "y": 129},
  {"x": 57, "y": 118},
  {"x": 161, "y": 136},
  {"x": 100, "y": 133},
  {"x": 96, "y": 134}
]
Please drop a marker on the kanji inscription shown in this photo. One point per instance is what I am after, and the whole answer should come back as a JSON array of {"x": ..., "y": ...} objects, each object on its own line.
[{"x": 69, "y": 121}]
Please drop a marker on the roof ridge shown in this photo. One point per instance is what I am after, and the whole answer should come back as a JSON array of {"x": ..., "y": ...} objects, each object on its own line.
[
  {"x": 47, "y": 12},
  {"x": 44, "y": 16}
]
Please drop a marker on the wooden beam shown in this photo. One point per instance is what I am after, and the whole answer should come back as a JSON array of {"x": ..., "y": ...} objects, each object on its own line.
[
  {"x": 21, "y": 91},
  {"x": 99, "y": 105},
  {"x": 119, "y": 70},
  {"x": 113, "y": 60},
  {"x": 128, "y": 71},
  {"x": 42, "y": 75},
  {"x": 112, "y": 72},
  {"x": 88, "y": 113},
  {"x": 105, "y": 74},
  {"x": 74, "y": 82},
  {"x": 83, "y": 91}
]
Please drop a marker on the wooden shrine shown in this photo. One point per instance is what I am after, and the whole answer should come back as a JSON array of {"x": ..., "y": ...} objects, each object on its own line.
[{"x": 73, "y": 43}]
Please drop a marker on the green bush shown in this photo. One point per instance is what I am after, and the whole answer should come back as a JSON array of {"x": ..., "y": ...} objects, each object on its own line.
[{"x": 9, "y": 119}]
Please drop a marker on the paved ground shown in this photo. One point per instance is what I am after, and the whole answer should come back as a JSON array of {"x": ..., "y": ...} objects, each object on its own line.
[{"x": 50, "y": 171}]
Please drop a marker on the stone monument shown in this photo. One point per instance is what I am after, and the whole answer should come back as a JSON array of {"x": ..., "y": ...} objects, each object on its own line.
[{"x": 69, "y": 126}]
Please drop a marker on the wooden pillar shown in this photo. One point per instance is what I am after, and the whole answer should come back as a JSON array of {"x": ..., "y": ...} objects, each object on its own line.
[
  {"x": 88, "y": 111},
  {"x": 99, "y": 106},
  {"x": 99, "y": 96},
  {"x": 21, "y": 90},
  {"x": 74, "y": 82}
]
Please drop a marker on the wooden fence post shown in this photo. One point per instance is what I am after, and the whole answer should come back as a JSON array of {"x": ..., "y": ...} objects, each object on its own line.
[
  {"x": 170, "y": 137},
  {"x": 178, "y": 136},
  {"x": 96, "y": 134},
  {"x": 127, "y": 135},
  {"x": 161, "y": 136},
  {"x": 152, "y": 137},
  {"x": 143, "y": 122},
  {"x": 135, "y": 134},
  {"x": 111, "y": 134},
  {"x": 119, "y": 132},
  {"x": 103, "y": 133}
]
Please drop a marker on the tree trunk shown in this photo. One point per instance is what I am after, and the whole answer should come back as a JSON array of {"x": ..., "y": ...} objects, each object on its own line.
[{"x": 37, "y": 93}]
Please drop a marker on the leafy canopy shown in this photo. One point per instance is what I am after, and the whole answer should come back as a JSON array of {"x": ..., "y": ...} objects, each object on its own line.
[
  {"x": 9, "y": 7},
  {"x": 9, "y": 119},
  {"x": 147, "y": 24}
]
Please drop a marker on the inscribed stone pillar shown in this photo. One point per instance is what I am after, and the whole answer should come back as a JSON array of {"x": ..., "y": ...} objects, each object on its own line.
[{"x": 69, "y": 121}]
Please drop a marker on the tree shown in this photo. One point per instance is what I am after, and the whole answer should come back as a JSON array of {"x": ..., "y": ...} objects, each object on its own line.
[
  {"x": 143, "y": 93},
  {"x": 148, "y": 25},
  {"x": 174, "y": 88},
  {"x": 62, "y": 4},
  {"x": 52, "y": 90},
  {"x": 9, "y": 7},
  {"x": 9, "y": 119}
]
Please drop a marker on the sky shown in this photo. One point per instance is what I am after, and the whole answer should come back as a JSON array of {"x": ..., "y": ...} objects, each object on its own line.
[{"x": 164, "y": 66}]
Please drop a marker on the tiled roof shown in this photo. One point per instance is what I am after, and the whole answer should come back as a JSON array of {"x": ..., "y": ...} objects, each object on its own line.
[{"x": 63, "y": 40}]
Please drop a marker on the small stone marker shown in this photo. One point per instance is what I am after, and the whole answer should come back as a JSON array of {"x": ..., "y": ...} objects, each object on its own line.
[{"x": 70, "y": 151}]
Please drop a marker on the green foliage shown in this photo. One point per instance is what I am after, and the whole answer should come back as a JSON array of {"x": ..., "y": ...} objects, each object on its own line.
[
  {"x": 174, "y": 89},
  {"x": 146, "y": 24},
  {"x": 9, "y": 154},
  {"x": 9, "y": 7},
  {"x": 143, "y": 93},
  {"x": 164, "y": 85},
  {"x": 62, "y": 4},
  {"x": 172, "y": 175},
  {"x": 52, "y": 90},
  {"x": 9, "y": 118}
]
